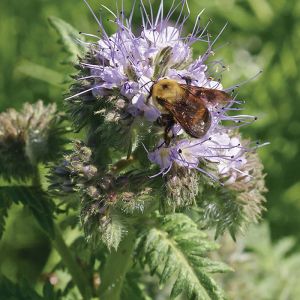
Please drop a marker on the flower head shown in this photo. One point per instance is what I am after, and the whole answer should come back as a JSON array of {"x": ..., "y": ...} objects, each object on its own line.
[
  {"x": 114, "y": 95},
  {"x": 124, "y": 65}
]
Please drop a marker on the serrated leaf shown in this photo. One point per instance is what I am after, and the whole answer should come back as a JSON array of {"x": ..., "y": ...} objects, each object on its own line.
[
  {"x": 176, "y": 249},
  {"x": 113, "y": 233},
  {"x": 35, "y": 199},
  {"x": 222, "y": 210},
  {"x": 69, "y": 38}
]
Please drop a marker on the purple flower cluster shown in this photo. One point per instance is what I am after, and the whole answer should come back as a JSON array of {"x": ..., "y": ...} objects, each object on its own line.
[
  {"x": 225, "y": 155},
  {"x": 129, "y": 63}
]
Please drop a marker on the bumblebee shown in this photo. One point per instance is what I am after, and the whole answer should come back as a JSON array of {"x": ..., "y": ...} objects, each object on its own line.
[{"x": 186, "y": 105}]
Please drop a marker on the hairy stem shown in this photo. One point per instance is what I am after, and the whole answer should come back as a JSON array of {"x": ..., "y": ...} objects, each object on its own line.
[
  {"x": 115, "y": 269},
  {"x": 78, "y": 276}
]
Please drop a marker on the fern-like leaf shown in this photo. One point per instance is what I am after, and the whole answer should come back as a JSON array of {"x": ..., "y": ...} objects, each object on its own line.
[
  {"x": 35, "y": 199},
  {"x": 176, "y": 249}
]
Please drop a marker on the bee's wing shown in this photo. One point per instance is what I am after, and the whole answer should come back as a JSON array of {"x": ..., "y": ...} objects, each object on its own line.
[
  {"x": 207, "y": 95},
  {"x": 191, "y": 113}
]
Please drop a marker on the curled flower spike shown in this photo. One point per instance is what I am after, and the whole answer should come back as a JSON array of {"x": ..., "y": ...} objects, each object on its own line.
[
  {"x": 33, "y": 135},
  {"x": 125, "y": 65}
]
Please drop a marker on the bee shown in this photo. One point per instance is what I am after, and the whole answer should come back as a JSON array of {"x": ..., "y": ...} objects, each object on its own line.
[{"x": 186, "y": 105}]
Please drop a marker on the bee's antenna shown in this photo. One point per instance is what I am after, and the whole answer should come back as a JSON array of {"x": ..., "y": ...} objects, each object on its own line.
[
  {"x": 242, "y": 83},
  {"x": 147, "y": 83},
  {"x": 149, "y": 91}
]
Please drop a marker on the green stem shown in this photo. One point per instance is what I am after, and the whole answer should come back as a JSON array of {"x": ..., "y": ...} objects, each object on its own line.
[
  {"x": 115, "y": 269},
  {"x": 78, "y": 276}
]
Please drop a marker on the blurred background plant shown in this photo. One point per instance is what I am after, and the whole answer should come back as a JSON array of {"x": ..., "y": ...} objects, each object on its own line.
[{"x": 263, "y": 34}]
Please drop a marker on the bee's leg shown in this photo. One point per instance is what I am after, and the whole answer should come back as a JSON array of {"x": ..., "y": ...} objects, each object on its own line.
[
  {"x": 167, "y": 121},
  {"x": 163, "y": 120},
  {"x": 167, "y": 137},
  {"x": 168, "y": 134}
]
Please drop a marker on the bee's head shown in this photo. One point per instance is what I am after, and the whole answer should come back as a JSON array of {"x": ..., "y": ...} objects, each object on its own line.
[{"x": 166, "y": 89}]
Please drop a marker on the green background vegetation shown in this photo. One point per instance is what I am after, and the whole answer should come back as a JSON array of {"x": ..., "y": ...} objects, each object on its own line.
[{"x": 262, "y": 34}]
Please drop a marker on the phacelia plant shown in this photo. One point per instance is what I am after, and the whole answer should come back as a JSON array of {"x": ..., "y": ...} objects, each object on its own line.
[{"x": 159, "y": 164}]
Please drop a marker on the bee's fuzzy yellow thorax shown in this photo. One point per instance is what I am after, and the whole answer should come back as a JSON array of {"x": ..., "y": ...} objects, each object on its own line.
[{"x": 167, "y": 89}]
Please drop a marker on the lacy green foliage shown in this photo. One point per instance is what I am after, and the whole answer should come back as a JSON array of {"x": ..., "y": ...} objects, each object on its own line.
[
  {"x": 35, "y": 199},
  {"x": 70, "y": 39},
  {"x": 232, "y": 207},
  {"x": 221, "y": 209},
  {"x": 34, "y": 135},
  {"x": 112, "y": 232},
  {"x": 175, "y": 249}
]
